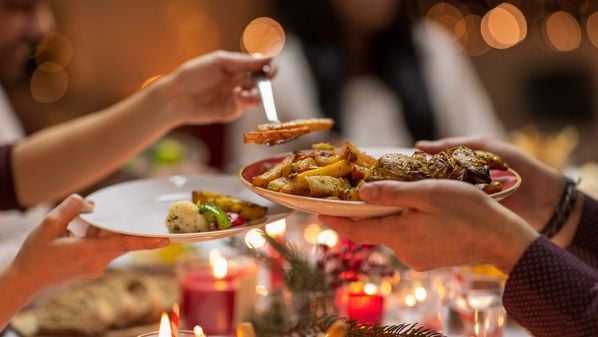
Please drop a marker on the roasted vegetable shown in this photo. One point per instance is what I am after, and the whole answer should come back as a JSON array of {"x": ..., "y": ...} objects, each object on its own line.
[
  {"x": 214, "y": 214},
  {"x": 246, "y": 209}
]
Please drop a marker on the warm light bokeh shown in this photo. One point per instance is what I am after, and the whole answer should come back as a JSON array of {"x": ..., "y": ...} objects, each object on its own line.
[
  {"x": 562, "y": 31},
  {"x": 504, "y": 26}
]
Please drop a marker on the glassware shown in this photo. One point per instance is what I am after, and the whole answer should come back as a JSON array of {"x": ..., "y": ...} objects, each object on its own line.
[{"x": 475, "y": 305}]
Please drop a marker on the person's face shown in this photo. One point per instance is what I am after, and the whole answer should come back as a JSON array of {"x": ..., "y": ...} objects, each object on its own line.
[
  {"x": 22, "y": 24},
  {"x": 369, "y": 16}
]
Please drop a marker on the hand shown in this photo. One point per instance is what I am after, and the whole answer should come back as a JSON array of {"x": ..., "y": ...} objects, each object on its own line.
[
  {"x": 50, "y": 257},
  {"x": 541, "y": 186},
  {"x": 214, "y": 88},
  {"x": 446, "y": 223}
]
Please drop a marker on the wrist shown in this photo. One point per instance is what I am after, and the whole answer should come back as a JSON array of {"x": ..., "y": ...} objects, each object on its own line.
[
  {"x": 515, "y": 239},
  {"x": 163, "y": 97},
  {"x": 19, "y": 286}
]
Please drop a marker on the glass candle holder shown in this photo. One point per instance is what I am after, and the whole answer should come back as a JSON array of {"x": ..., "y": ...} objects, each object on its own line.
[{"x": 216, "y": 302}]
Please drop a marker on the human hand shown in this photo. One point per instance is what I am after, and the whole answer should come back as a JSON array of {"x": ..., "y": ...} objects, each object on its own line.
[
  {"x": 214, "y": 88},
  {"x": 50, "y": 256},
  {"x": 540, "y": 188},
  {"x": 446, "y": 223}
]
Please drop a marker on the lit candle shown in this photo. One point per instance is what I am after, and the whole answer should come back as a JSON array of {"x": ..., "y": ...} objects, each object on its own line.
[
  {"x": 361, "y": 302},
  {"x": 208, "y": 297},
  {"x": 165, "y": 329}
]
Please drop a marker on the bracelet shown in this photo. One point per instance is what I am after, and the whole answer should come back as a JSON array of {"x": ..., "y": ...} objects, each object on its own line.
[{"x": 562, "y": 210}]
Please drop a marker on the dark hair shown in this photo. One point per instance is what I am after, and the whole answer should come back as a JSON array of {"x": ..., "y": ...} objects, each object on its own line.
[{"x": 393, "y": 54}]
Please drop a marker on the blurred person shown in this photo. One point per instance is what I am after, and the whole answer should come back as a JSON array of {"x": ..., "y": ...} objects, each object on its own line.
[
  {"x": 386, "y": 79},
  {"x": 551, "y": 288},
  {"x": 65, "y": 158}
]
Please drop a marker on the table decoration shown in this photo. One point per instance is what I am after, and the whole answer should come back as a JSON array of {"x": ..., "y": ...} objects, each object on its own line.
[{"x": 216, "y": 294}]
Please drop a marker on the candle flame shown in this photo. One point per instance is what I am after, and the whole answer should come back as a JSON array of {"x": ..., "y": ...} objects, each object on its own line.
[
  {"x": 276, "y": 228},
  {"x": 214, "y": 255},
  {"x": 164, "y": 326},
  {"x": 370, "y": 289},
  {"x": 198, "y": 331},
  {"x": 220, "y": 267}
]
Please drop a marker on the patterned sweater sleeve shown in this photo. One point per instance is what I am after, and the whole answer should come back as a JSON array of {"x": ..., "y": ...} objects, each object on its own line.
[
  {"x": 585, "y": 241},
  {"x": 553, "y": 293}
]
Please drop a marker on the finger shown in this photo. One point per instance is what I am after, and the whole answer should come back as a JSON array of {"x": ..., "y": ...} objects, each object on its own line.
[
  {"x": 56, "y": 222},
  {"x": 92, "y": 232},
  {"x": 414, "y": 194},
  {"x": 474, "y": 142},
  {"x": 236, "y": 62},
  {"x": 120, "y": 244},
  {"x": 351, "y": 229}
]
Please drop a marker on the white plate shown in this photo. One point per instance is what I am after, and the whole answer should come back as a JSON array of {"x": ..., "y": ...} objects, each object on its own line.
[
  {"x": 353, "y": 209},
  {"x": 140, "y": 207}
]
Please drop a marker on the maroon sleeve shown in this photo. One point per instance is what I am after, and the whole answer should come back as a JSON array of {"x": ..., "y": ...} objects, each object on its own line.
[
  {"x": 552, "y": 293},
  {"x": 585, "y": 241},
  {"x": 8, "y": 197}
]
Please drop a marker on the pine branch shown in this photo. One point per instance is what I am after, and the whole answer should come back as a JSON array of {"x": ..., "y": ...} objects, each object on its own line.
[{"x": 301, "y": 275}]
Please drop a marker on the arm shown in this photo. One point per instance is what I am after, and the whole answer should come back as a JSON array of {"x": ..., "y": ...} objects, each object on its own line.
[
  {"x": 65, "y": 158},
  {"x": 50, "y": 257},
  {"x": 552, "y": 293},
  {"x": 584, "y": 243}
]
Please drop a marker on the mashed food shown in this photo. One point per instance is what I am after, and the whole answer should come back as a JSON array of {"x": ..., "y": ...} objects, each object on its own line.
[{"x": 184, "y": 217}]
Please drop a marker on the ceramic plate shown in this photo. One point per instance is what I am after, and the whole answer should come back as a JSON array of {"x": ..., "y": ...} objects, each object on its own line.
[
  {"x": 140, "y": 207},
  {"x": 354, "y": 209}
]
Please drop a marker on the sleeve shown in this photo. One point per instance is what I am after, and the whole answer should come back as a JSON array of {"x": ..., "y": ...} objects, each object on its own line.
[
  {"x": 8, "y": 196},
  {"x": 585, "y": 241},
  {"x": 553, "y": 293}
]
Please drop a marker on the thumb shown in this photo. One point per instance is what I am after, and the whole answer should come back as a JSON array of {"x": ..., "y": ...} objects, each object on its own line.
[
  {"x": 396, "y": 193},
  {"x": 435, "y": 146},
  {"x": 56, "y": 222}
]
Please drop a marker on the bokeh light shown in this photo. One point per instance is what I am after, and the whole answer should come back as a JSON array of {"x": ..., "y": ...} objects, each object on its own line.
[
  {"x": 328, "y": 237},
  {"x": 574, "y": 6},
  {"x": 503, "y": 26},
  {"x": 446, "y": 15},
  {"x": 276, "y": 228},
  {"x": 592, "y": 27},
  {"x": 254, "y": 239},
  {"x": 49, "y": 82},
  {"x": 311, "y": 233},
  {"x": 470, "y": 37},
  {"x": 199, "y": 34},
  {"x": 54, "y": 47},
  {"x": 562, "y": 31}
]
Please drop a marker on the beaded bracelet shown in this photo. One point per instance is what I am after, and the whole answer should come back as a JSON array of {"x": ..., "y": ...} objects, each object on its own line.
[{"x": 562, "y": 210}]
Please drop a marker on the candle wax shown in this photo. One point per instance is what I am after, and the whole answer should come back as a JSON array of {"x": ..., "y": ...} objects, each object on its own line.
[{"x": 361, "y": 307}]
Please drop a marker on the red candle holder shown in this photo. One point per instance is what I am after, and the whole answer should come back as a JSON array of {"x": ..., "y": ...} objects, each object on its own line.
[
  {"x": 355, "y": 303},
  {"x": 214, "y": 302}
]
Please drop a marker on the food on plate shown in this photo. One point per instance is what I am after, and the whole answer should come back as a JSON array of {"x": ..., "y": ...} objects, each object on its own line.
[
  {"x": 116, "y": 300},
  {"x": 329, "y": 172},
  {"x": 277, "y": 133},
  {"x": 210, "y": 211}
]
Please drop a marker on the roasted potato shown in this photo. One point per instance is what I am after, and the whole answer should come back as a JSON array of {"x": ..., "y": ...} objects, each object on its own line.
[{"x": 246, "y": 209}]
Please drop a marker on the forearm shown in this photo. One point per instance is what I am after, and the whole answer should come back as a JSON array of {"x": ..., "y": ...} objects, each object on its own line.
[
  {"x": 15, "y": 292},
  {"x": 584, "y": 240},
  {"x": 70, "y": 156}
]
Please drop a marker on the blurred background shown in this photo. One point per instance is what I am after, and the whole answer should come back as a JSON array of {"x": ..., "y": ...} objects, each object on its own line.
[{"x": 537, "y": 60}]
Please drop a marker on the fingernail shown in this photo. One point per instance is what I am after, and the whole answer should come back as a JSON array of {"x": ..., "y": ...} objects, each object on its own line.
[
  {"x": 257, "y": 55},
  {"x": 369, "y": 192}
]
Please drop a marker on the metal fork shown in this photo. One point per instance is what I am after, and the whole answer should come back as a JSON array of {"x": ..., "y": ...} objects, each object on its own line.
[{"x": 264, "y": 86}]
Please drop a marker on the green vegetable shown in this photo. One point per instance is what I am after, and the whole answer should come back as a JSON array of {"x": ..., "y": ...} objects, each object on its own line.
[{"x": 214, "y": 213}]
